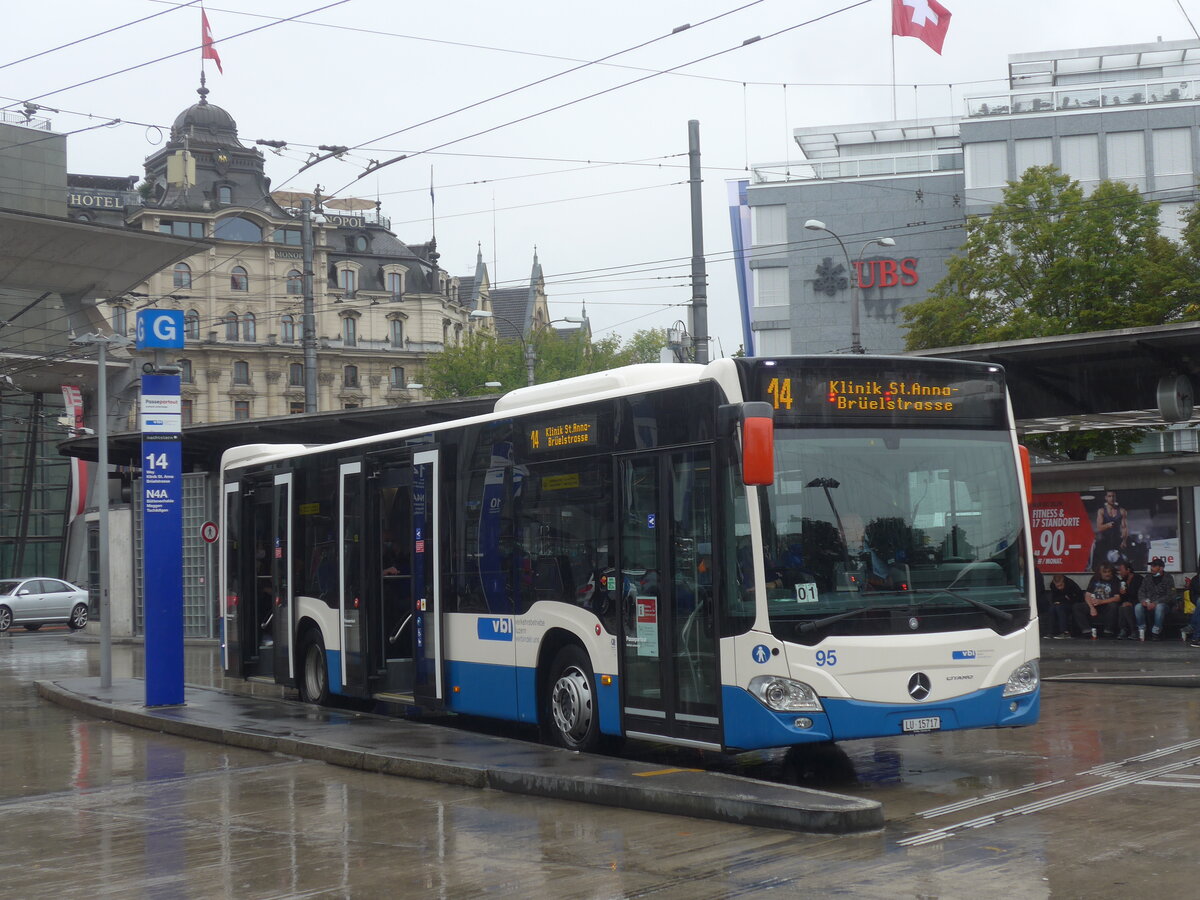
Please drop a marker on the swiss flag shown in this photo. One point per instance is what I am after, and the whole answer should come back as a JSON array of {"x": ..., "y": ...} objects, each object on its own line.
[
  {"x": 926, "y": 20},
  {"x": 206, "y": 40}
]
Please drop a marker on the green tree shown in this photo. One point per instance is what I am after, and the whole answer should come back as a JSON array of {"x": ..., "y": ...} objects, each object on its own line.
[
  {"x": 1049, "y": 260},
  {"x": 462, "y": 371}
]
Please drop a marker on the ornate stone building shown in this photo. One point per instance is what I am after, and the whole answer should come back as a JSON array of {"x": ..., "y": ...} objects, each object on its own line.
[{"x": 382, "y": 306}]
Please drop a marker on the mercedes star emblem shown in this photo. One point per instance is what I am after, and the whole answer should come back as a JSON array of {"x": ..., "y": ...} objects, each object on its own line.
[{"x": 918, "y": 686}]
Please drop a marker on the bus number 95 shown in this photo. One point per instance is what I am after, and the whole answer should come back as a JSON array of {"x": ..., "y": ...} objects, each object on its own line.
[{"x": 826, "y": 657}]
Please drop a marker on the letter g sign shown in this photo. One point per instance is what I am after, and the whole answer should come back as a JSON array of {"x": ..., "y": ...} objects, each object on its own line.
[{"x": 159, "y": 328}]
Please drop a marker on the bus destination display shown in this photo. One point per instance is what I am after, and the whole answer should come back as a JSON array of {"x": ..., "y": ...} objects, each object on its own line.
[
  {"x": 923, "y": 394},
  {"x": 562, "y": 435}
]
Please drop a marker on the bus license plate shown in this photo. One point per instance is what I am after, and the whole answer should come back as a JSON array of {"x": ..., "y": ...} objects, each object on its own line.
[{"x": 929, "y": 723}]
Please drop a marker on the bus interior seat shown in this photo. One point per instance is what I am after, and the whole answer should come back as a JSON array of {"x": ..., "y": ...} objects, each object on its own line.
[{"x": 552, "y": 578}]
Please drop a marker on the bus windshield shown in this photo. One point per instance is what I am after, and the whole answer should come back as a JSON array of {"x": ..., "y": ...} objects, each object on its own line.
[{"x": 883, "y": 531}]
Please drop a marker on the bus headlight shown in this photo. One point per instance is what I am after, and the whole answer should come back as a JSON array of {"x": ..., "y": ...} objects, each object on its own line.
[
  {"x": 1024, "y": 679},
  {"x": 785, "y": 695}
]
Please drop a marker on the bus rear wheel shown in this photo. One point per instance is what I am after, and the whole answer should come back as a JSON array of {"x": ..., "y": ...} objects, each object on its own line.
[
  {"x": 314, "y": 673},
  {"x": 572, "y": 717}
]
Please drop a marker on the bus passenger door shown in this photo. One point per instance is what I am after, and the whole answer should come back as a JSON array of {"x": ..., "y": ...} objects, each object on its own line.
[
  {"x": 281, "y": 625},
  {"x": 238, "y": 596},
  {"x": 670, "y": 676},
  {"x": 428, "y": 643},
  {"x": 352, "y": 606}
]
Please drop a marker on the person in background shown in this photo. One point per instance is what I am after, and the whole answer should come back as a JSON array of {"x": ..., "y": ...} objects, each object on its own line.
[
  {"x": 1155, "y": 596},
  {"x": 1112, "y": 531},
  {"x": 1131, "y": 583},
  {"x": 1193, "y": 587},
  {"x": 1064, "y": 595},
  {"x": 1098, "y": 613}
]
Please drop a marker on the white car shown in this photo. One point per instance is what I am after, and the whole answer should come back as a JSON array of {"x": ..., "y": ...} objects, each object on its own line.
[{"x": 34, "y": 602}]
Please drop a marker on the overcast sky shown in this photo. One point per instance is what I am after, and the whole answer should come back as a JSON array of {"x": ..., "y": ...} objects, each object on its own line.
[{"x": 598, "y": 185}]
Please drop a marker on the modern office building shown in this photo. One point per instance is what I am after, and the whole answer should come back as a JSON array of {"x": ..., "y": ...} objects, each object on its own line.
[{"x": 1129, "y": 113}]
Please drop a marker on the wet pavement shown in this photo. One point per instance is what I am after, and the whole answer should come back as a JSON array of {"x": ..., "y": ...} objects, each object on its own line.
[{"x": 1099, "y": 800}]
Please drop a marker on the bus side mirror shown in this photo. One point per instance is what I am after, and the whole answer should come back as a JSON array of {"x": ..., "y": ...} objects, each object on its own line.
[
  {"x": 1026, "y": 473},
  {"x": 758, "y": 444}
]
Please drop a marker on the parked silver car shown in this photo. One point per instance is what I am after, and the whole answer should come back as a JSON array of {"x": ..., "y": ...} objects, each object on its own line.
[{"x": 34, "y": 602}]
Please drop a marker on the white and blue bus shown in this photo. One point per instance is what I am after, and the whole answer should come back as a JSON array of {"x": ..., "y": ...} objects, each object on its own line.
[{"x": 750, "y": 553}]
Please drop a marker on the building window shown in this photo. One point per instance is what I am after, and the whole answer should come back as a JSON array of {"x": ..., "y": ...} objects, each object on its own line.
[
  {"x": 182, "y": 275},
  {"x": 350, "y": 331},
  {"x": 295, "y": 407},
  {"x": 241, "y": 410},
  {"x": 773, "y": 342},
  {"x": 1127, "y": 158},
  {"x": 231, "y": 326},
  {"x": 1033, "y": 152},
  {"x": 348, "y": 281},
  {"x": 186, "y": 410},
  {"x": 238, "y": 279},
  {"x": 395, "y": 285},
  {"x": 235, "y": 228},
  {"x": 770, "y": 228},
  {"x": 350, "y": 376},
  {"x": 445, "y": 334},
  {"x": 225, "y": 194},
  {"x": 248, "y": 329},
  {"x": 185, "y": 371},
  {"x": 241, "y": 372},
  {"x": 1080, "y": 157},
  {"x": 289, "y": 236},
  {"x": 191, "y": 325},
  {"x": 1172, "y": 158},
  {"x": 295, "y": 282},
  {"x": 349, "y": 406},
  {"x": 287, "y": 327},
  {"x": 771, "y": 287},
  {"x": 296, "y": 375},
  {"x": 181, "y": 229},
  {"x": 120, "y": 320},
  {"x": 458, "y": 335},
  {"x": 397, "y": 379},
  {"x": 360, "y": 243},
  {"x": 397, "y": 335}
]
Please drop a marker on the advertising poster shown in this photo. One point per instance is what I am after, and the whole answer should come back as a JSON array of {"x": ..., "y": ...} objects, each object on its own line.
[{"x": 1074, "y": 532}]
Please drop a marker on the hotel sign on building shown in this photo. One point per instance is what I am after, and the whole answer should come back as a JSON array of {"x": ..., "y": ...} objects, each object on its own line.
[{"x": 95, "y": 198}]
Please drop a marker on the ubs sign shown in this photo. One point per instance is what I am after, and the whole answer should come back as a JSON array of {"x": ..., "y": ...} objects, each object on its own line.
[{"x": 883, "y": 273}]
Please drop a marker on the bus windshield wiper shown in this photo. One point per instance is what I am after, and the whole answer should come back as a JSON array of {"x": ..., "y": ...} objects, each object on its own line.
[
  {"x": 994, "y": 611},
  {"x": 806, "y": 627}
]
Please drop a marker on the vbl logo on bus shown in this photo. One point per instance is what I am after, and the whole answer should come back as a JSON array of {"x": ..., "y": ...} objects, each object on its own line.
[{"x": 495, "y": 629}]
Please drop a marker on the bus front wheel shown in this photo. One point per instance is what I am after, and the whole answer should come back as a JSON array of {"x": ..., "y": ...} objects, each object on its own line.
[
  {"x": 314, "y": 673},
  {"x": 571, "y": 714}
]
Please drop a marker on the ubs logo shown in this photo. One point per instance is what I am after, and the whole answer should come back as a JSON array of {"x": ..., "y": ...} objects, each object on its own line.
[{"x": 918, "y": 686}]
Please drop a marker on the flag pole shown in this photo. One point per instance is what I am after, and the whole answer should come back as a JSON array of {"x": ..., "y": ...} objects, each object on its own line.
[{"x": 893, "y": 76}]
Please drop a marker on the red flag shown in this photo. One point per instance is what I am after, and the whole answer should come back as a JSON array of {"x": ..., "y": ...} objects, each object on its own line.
[
  {"x": 206, "y": 38},
  {"x": 926, "y": 20}
]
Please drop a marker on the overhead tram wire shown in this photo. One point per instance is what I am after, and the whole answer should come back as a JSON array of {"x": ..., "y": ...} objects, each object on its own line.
[
  {"x": 571, "y": 59},
  {"x": 593, "y": 95},
  {"x": 583, "y": 65},
  {"x": 152, "y": 62},
  {"x": 89, "y": 37}
]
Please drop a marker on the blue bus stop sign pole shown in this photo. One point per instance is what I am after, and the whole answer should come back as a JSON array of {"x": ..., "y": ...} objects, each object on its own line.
[{"x": 162, "y": 517}]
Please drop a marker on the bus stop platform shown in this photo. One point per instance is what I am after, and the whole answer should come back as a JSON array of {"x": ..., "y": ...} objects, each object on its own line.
[{"x": 413, "y": 749}]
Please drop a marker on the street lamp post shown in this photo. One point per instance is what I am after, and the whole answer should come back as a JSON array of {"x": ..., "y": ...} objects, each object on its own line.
[
  {"x": 851, "y": 273},
  {"x": 529, "y": 352},
  {"x": 103, "y": 342}
]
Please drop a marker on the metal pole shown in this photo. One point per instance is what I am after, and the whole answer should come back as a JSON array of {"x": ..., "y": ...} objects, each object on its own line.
[
  {"x": 102, "y": 489},
  {"x": 699, "y": 276},
  {"x": 855, "y": 334},
  {"x": 530, "y": 361},
  {"x": 310, "y": 319}
]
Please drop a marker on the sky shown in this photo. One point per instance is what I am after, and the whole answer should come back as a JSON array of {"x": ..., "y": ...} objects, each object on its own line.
[{"x": 576, "y": 136}]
